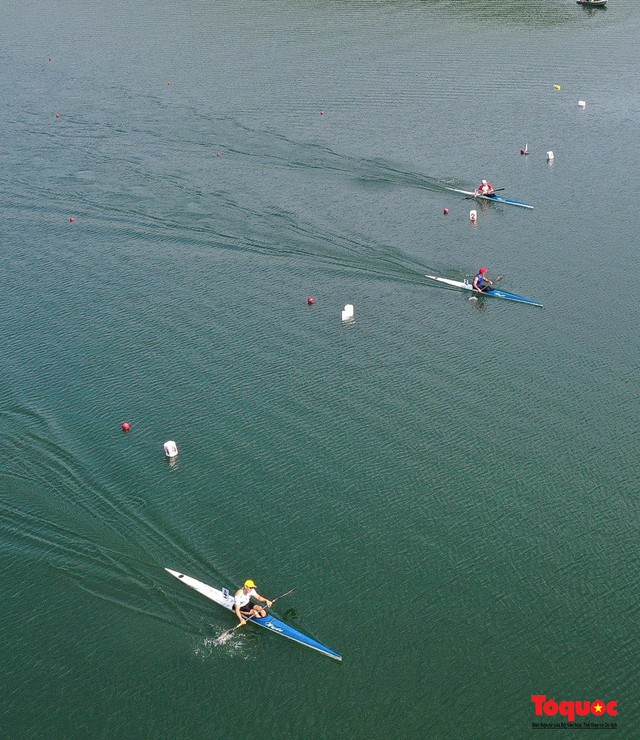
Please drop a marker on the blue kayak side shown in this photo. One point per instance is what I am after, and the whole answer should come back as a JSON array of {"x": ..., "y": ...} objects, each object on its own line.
[
  {"x": 510, "y": 297},
  {"x": 286, "y": 630},
  {"x": 501, "y": 199}
]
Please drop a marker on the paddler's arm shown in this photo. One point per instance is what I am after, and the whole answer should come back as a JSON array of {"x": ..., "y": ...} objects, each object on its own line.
[
  {"x": 262, "y": 598},
  {"x": 236, "y": 609}
]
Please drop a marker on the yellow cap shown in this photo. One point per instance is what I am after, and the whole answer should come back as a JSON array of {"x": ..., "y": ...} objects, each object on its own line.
[{"x": 249, "y": 584}]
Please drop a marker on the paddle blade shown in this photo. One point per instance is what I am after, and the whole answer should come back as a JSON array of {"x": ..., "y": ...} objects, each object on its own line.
[{"x": 224, "y": 637}]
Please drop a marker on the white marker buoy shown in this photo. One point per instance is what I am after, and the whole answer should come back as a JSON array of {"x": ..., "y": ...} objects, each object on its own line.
[
  {"x": 550, "y": 156},
  {"x": 582, "y": 103},
  {"x": 170, "y": 448},
  {"x": 473, "y": 216},
  {"x": 347, "y": 312}
]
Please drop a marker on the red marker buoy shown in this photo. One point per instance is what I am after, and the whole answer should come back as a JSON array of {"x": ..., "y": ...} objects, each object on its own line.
[
  {"x": 218, "y": 154},
  {"x": 446, "y": 211},
  {"x": 311, "y": 300},
  {"x": 57, "y": 115},
  {"x": 71, "y": 219},
  {"x": 322, "y": 113},
  {"x": 126, "y": 426}
]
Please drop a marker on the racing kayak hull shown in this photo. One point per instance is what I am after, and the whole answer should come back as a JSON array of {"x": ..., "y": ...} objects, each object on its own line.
[
  {"x": 494, "y": 196},
  {"x": 225, "y": 599},
  {"x": 493, "y": 293}
]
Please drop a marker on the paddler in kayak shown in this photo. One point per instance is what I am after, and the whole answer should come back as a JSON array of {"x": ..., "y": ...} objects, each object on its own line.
[
  {"x": 242, "y": 602},
  {"x": 485, "y": 188},
  {"x": 481, "y": 283}
]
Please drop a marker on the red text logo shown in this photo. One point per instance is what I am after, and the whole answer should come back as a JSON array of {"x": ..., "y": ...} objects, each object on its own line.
[{"x": 573, "y": 709}]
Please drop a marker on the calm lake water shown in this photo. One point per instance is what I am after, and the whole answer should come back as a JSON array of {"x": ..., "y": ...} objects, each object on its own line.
[{"x": 449, "y": 484}]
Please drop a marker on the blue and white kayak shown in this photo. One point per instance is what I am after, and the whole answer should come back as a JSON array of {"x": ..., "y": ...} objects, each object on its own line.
[
  {"x": 494, "y": 196},
  {"x": 493, "y": 293},
  {"x": 225, "y": 599}
]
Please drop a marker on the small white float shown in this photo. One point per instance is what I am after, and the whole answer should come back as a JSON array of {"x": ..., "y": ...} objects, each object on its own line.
[
  {"x": 347, "y": 312},
  {"x": 170, "y": 449}
]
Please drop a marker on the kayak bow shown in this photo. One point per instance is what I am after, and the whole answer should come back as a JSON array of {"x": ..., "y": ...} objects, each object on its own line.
[
  {"x": 225, "y": 599},
  {"x": 492, "y": 196},
  {"x": 494, "y": 292}
]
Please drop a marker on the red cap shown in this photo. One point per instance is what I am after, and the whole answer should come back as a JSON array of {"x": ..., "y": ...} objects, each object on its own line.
[{"x": 482, "y": 270}]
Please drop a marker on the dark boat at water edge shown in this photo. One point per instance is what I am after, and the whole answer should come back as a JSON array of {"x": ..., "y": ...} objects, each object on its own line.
[{"x": 592, "y": 3}]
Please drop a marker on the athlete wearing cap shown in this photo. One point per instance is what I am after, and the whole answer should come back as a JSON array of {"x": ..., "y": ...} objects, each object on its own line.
[
  {"x": 242, "y": 602},
  {"x": 482, "y": 283},
  {"x": 485, "y": 188}
]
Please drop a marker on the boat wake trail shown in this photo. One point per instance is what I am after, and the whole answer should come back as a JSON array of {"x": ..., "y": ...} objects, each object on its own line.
[
  {"x": 265, "y": 193},
  {"x": 98, "y": 537}
]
